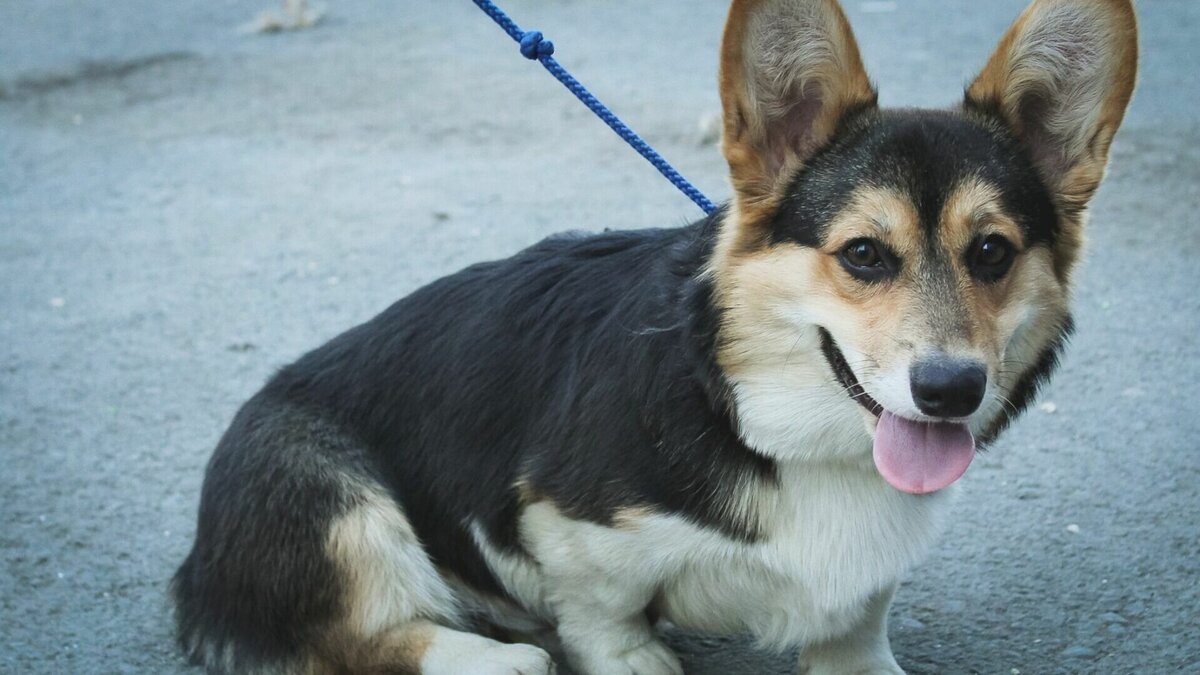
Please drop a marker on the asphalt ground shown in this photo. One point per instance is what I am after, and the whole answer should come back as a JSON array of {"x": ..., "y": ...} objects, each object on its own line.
[{"x": 184, "y": 208}]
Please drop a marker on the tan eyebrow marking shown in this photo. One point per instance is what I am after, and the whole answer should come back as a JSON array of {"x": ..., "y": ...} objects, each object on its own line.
[
  {"x": 882, "y": 212},
  {"x": 972, "y": 208}
]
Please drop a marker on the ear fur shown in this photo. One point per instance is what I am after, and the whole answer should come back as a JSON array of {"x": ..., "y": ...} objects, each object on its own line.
[
  {"x": 1061, "y": 79},
  {"x": 790, "y": 71}
]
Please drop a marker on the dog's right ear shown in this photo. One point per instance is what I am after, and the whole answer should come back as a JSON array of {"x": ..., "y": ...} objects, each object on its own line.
[{"x": 790, "y": 70}]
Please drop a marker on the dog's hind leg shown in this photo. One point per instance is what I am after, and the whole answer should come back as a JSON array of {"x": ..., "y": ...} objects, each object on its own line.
[
  {"x": 386, "y": 630},
  {"x": 304, "y": 563},
  {"x": 425, "y": 648}
]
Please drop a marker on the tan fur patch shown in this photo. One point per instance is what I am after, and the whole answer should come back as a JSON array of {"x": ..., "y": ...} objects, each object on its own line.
[
  {"x": 1029, "y": 319},
  {"x": 767, "y": 294},
  {"x": 629, "y": 517},
  {"x": 526, "y": 494},
  {"x": 880, "y": 311},
  {"x": 972, "y": 210},
  {"x": 399, "y": 650},
  {"x": 879, "y": 213},
  {"x": 390, "y": 586}
]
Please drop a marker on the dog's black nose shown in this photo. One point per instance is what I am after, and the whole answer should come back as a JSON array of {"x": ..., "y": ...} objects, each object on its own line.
[{"x": 943, "y": 386}]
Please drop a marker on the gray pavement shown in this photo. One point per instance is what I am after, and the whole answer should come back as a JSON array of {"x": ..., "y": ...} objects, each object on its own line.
[{"x": 184, "y": 208}]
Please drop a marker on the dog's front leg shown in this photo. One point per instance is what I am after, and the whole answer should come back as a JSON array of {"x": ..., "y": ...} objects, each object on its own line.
[
  {"x": 862, "y": 651},
  {"x": 611, "y": 635},
  {"x": 599, "y": 583}
]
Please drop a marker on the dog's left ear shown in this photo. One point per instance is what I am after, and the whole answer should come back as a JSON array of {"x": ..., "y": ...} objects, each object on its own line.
[
  {"x": 1061, "y": 79},
  {"x": 790, "y": 71}
]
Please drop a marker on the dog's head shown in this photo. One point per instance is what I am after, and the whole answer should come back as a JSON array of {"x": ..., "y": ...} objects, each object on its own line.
[{"x": 909, "y": 269}]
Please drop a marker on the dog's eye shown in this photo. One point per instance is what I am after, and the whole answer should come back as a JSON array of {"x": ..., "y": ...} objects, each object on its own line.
[
  {"x": 867, "y": 260},
  {"x": 991, "y": 258},
  {"x": 862, "y": 253}
]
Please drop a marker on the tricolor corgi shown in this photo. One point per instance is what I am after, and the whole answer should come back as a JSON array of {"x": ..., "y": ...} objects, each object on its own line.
[{"x": 751, "y": 424}]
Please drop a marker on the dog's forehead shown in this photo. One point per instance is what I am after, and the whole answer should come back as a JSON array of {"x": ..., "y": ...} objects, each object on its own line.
[{"x": 925, "y": 157}]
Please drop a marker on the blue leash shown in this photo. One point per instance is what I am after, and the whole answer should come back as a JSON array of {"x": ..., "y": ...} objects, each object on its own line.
[{"x": 535, "y": 48}]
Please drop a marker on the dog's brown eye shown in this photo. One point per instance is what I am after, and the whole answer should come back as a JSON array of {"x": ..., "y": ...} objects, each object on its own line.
[
  {"x": 867, "y": 260},
  {"x": 992, "y": 258},
  {"x": 862, "y": 253}
]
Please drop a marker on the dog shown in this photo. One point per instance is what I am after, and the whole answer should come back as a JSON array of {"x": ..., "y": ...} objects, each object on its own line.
[{"x": 751, "y": 424}]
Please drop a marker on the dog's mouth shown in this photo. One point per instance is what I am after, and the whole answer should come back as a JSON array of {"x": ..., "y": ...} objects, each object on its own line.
[
  {"x": 845, "y": 374},
  {"x": 913, "y": 456}
]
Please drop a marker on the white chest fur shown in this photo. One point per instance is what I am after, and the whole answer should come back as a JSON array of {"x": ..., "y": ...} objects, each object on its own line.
[{"x": 835, "y": 534}]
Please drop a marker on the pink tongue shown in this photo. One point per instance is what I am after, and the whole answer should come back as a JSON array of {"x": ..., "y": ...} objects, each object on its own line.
[{"x": 920, "y": 457}]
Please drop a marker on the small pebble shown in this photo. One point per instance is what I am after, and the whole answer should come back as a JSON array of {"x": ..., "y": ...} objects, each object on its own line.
[
  {"x": 1014, "y": 671},
  {"x": 296, "y": 15},
  {"x": 709, "y": 129},
  {"x": 1073, "y": 528}
]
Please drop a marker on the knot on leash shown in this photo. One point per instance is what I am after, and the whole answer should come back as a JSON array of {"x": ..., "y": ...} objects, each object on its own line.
[{"x": 534, "y": 46}]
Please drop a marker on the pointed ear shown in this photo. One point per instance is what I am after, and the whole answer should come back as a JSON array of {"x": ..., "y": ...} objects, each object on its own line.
[
  {"x": 790, "y": 70},
  {"x": 1061, "y": 80}
]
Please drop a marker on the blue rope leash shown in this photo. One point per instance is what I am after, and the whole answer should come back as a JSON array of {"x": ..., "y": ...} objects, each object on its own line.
[{"x": 537, "y": 48}]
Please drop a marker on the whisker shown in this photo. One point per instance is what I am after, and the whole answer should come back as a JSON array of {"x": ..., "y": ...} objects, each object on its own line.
[
  {"x": 792, "y": 351},
  {"x": 1006, "y": 402}
]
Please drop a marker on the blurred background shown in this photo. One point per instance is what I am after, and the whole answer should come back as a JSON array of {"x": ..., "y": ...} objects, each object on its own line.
[{"x": 194, "y": 193}]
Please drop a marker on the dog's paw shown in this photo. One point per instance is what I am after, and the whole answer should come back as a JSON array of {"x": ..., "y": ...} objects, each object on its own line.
[
  {"x": 886, "y": 666},
  {"x": 653, "y": 658},
  {"x": 855, "y": 670},
  {"x": 516, "y": 660},
  {"x": 494, "y": 659},
  {"x": 650, "y": 658}
]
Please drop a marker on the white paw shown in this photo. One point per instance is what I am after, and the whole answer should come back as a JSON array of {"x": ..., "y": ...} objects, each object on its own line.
[
  {"x": 865, "y": 670},
  {"x": 653, "y": 658},
  {"x": 503, "y": 659},
  {"x": 473, "y": 655},
  {"x": 886, "y": 666}
]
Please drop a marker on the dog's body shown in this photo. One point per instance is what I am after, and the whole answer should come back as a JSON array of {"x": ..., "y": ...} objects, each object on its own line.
[{"x": 746, "y": 425}]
